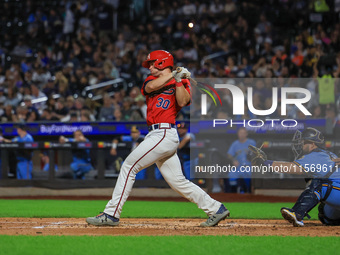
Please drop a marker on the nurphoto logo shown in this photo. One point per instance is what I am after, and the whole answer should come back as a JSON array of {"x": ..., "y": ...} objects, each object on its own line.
[{"x": 239, "y": 99}]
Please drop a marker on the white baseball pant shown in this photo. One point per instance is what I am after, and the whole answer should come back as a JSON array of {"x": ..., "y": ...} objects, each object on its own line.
[{"x": 160, "y": 147}]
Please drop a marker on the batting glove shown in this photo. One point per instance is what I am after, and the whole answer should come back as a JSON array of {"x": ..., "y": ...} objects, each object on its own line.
[
  {"x": 176, "y": 76},
  {"x": 183, "y": 73}
]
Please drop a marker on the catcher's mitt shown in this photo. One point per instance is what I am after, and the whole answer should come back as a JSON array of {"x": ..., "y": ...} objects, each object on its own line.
[{"x": 258, "y": 157}]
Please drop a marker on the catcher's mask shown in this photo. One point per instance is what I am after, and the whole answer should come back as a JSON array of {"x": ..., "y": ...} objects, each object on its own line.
[
  {"x": 310, "y": 135},
  {"x": 162, "y": 58}
]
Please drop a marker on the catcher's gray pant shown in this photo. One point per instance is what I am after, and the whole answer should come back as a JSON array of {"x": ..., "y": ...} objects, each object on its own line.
[{"x": 159, "y": 147}]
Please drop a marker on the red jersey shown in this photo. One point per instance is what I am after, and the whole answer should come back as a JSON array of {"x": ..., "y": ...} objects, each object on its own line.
[{"x": 162, "y": 104}]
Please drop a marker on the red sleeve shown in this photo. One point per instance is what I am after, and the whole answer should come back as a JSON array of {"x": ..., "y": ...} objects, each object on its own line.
[
  {"x": 186, "y": 84},
  {"x": 148, "y": 79}
]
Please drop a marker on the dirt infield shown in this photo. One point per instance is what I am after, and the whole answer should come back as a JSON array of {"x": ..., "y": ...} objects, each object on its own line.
[
  {"x": 161, "y": 227},
  {"x": 165, "y": 227}
]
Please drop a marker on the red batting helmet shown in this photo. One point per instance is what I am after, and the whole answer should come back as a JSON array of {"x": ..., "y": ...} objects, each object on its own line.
[{"x": 162, "y": 58}]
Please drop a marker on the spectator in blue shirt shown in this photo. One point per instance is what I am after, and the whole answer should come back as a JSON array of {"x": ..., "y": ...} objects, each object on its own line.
[
  {"x": 184, "y": 148},
  {"x": 24, "y": 157},
  {"x": 81, "y": 163},
  {"x": 237, "y": 153},
  {"x": 135, "y": 138}
]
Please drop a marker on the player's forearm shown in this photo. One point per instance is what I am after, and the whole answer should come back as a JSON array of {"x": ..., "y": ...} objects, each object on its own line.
[
  {"x": 182, "y": 96},
  {"x": 183, "y": 143},
  {"x": 158, "y": 83},
  {"x": 113, "y": 152}
]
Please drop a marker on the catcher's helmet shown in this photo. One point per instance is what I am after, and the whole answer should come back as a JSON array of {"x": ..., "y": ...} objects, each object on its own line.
[
  {"x": 313, "y": 135},
  {"x": 162, "y": 58},
  {"x": 309, "y": 134}
]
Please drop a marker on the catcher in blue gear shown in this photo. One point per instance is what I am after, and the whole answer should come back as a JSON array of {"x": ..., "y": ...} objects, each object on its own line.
[{"x": 323, "y": 178}]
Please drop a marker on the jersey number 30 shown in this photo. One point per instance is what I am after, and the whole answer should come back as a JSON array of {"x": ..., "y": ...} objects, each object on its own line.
[{"x": 163, "y": 103}]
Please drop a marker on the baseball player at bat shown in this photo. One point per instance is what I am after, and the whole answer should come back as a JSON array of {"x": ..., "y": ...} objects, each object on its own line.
[
  {"x": 323, "y": 180},
  {"x": 166, "y": 92}
]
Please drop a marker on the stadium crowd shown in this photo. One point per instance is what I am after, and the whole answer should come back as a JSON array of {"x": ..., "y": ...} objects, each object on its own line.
[{"x": 52, "y": 50}]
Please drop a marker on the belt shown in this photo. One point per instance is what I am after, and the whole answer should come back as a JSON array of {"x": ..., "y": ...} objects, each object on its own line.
[{"x": 161, "y": 126}]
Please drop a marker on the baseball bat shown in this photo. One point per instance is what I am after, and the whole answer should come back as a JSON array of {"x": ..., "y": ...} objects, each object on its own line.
[
  {"x": 179, "y": 69},
  {"x": 201, "y": 84}
]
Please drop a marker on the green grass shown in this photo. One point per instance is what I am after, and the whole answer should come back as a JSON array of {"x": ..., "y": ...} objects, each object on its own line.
[
  {"x": 134, "y": 209},
  {"x": 167, "y": 245}
]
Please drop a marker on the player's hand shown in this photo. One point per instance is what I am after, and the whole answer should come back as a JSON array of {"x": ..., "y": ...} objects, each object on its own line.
[
  {"x": 185, "y": 74},
  {"x": 62, "y": 139},
  {"x": 337, "y": 161},
  {"x": 81, "y": 139},
  {"x": 176, "y": 76},
  {"x": 181, "y": 73},
  {"x": 113, "y": 150},
  {"x": 236, "y": 163}
]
